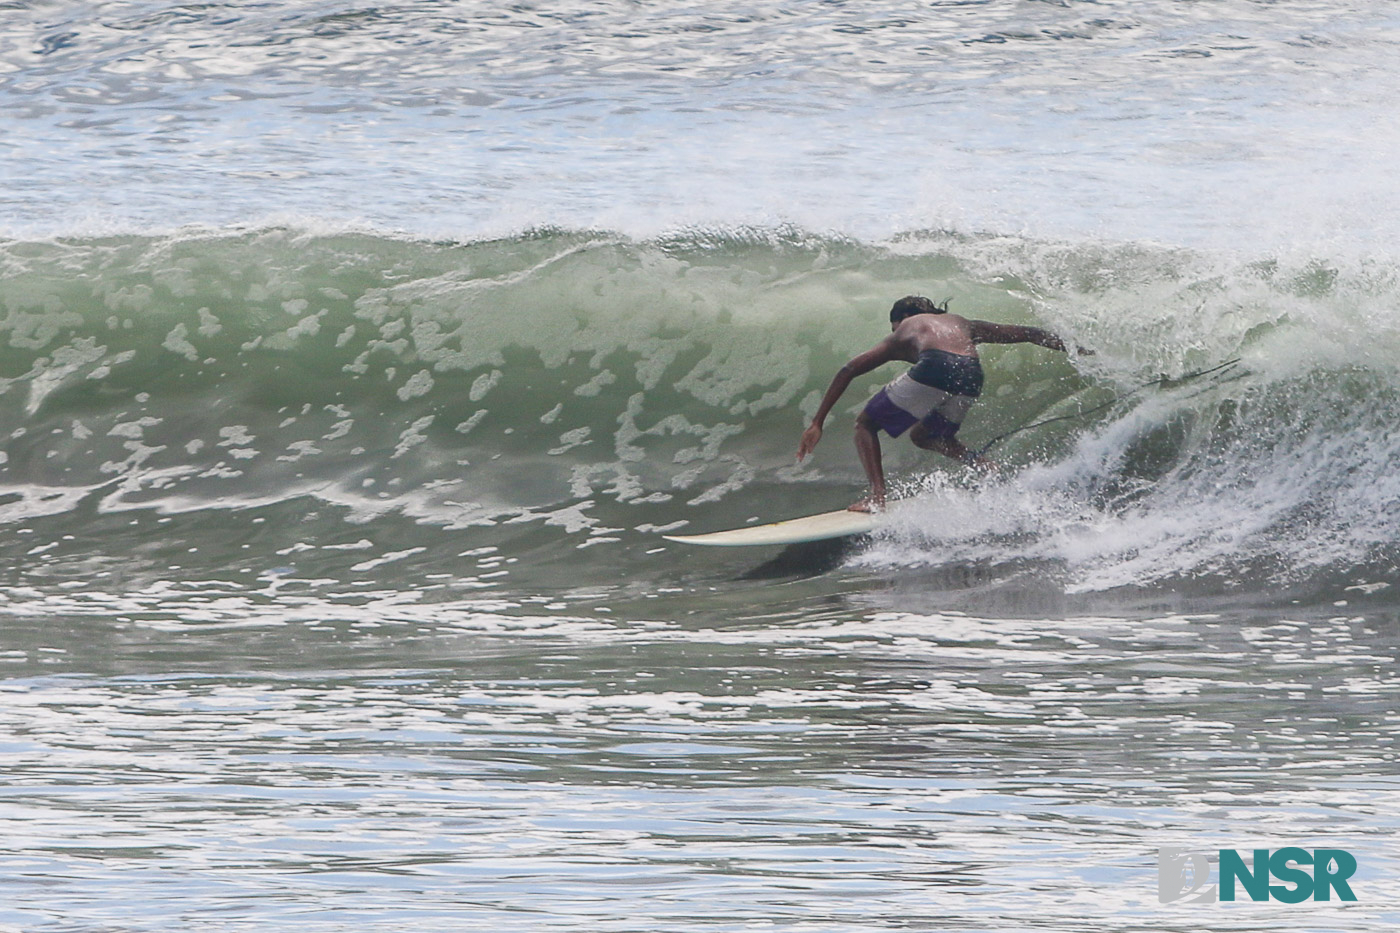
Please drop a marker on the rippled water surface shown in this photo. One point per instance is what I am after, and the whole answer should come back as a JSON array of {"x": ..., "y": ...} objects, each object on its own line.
[
  {"x": 851, "y": 765},
  {"x": 1163, "y": 119}
]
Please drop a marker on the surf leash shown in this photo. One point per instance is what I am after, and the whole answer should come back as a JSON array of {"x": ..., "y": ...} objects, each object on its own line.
[{"x": 1162, "y": 380}]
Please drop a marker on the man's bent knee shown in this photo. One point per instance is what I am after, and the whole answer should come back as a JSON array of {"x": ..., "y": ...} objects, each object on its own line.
[{"x": 920, "y": 437}]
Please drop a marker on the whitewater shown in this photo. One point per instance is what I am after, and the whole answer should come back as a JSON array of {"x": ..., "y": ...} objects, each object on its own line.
[{"x": 355, "y": 359}]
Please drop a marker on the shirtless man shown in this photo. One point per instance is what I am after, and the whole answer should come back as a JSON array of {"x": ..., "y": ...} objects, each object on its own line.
[{"x": 932, "y": 398}]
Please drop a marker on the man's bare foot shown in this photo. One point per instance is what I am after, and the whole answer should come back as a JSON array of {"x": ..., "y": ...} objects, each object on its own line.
[{"x": 868, "y": 504}]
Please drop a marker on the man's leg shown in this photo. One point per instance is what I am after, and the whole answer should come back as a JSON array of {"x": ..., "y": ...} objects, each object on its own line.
[
  {"x": 868, "y": 447},
  {"x": 949, "y": 446}
]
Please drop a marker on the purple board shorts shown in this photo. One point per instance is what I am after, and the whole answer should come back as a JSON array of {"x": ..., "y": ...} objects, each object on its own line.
[{"x": 894, "y": 421}]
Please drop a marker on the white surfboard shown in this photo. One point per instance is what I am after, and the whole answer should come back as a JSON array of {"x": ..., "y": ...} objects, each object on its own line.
[{"x": 793, "y": 531}]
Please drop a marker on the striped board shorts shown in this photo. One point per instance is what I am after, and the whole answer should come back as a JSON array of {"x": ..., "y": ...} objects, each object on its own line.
[{"x": 936, "y": 392}]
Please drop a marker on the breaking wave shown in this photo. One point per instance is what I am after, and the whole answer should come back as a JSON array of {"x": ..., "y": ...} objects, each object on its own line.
[{"x": 578, "y": 389}]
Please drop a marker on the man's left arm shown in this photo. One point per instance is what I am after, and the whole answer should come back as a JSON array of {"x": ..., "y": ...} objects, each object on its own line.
[{"x": 987, "y": 332}]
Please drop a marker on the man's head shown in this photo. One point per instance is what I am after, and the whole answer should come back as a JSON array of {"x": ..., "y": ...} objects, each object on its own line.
[{"x": 912, "y": 305}]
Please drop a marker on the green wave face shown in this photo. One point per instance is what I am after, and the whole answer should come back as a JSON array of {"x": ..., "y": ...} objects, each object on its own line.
[{"x": 585, "y": 390}]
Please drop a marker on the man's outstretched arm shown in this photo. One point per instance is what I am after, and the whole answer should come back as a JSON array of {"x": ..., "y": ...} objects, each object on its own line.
[{"x": 987, "y": 332}]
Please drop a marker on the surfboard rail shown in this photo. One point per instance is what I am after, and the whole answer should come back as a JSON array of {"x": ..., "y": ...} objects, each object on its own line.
[{"x": 820, "y": 527}]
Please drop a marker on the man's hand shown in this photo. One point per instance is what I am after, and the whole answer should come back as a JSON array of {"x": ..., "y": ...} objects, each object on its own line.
[{"x": 809, "y": 441}]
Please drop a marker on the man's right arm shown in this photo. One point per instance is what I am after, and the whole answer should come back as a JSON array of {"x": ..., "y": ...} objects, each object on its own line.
[{"x": 881, "y": 353}]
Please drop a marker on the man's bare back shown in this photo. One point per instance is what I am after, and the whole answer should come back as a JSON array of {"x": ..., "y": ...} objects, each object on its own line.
[{"x": 951, "y": 333}]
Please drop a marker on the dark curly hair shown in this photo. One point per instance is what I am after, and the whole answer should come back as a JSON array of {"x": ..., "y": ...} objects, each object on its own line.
[{"x": 915, "y": 304}]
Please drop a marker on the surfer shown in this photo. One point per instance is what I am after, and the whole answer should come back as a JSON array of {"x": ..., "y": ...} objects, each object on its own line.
[{"x": 932, "y": 398}]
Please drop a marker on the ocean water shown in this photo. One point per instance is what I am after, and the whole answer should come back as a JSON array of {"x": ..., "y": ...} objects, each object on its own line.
[{"x": 356, "y": 358}]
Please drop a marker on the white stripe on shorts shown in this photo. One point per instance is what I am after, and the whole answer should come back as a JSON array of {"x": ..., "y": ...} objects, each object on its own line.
[{"x": 921, "y": 400}]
